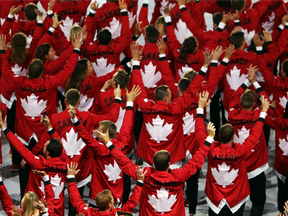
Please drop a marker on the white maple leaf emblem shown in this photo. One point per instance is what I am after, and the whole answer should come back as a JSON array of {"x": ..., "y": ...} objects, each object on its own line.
[
  {"x": 115, "y": 28},
  {"x": 283, "y": 101},
  {"x": 113, "y": 172},
  {"x": 66, "y": 26},
  {"x": 131, "y": 18},
  {"x": 85, "y": 103},
  {"x": 223, "y": 177},
  {"x": 18, "y": 70},
  {"x": 181, "y": 31},
  {"x": 2, "y": 20},
  {"x": 268, "y": 25},
  {"x": 71, "y": 144},
  {"x": 283, "y": 144},
  {"x": 162, "y": 203},
  {"x": 150, "y": 78},
  {"x": 234, "y": 79},
  {"x": 16, "y": 17},
  {"x": 32, "y": 107},
  {"x": 259, "y": 77},
  {"x": 164, "y": 3},
  {"x": 101, "y": 68},
  {"x": 57, "y": 186},
  {"x": 157, "y": 130},
  {"x": 248, "y": 36},
  {"x": 183, "y": 70},
  {"x": 120, "y": 119},
  {"x": 189, "y": 124},
  {"x": 242, "y": 135}
]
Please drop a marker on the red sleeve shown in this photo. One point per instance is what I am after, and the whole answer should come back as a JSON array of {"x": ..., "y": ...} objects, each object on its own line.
[
  {"x": 200, "y": 130},
  {"x": 234, "y": 106},
  {"x": 266, "y": 73},
  {"x": 7, "y": 26},
  {"x": 125, "y": 33},
  {"x": 5, "y": 199},
  {"x": 125, "y": 131},
  {"x": 271, "y": 122},
  {"x": 75, "y": 197},
  {"x": 131, "y": 204},
  {"x": 261, "y": 7},
  {"x": 49, "y": 197},
  {"x": 91, "y": 27},
  {"x": 172, "y": 41},
  {"x": 34, "y": 43},
  {"x": 143, "y": 16},
  {"x": 156, "y": 13},
  {"x": 38, "y": 148}
]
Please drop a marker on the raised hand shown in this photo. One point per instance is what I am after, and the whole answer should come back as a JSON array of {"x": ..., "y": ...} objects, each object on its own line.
[
  {"x": 211, "y": 130},
  {"x": 16, "y": 211},
  {"x": 84, "y": 33},
  {"x": 135, "y": 92},
  {"x": 236, "y": 15},
  {"x": 167, "y": 10},
  {"x": 161, "y": 46},
  {"x": 104, "y": 137},
  {"x": 265, "y": 104},
  {"x": 229, "y": 51},
  {"x": 77, "y": 41},
  {"x": 51, "y": 5},
  {"x": 56, "y": 22},
  {"x": 257, "y": 41},
  {"x": 273, "y": 104},
  {"x": 46, "y": 122},
  {"x": 135, "y": 52},
  {"x": 44, "y": 202},
  {"x": 122, "y": 5},
  {"x": 3, "y": 45},
  {"x": 138, "y": 29},
  {"x": 140, "y": 174},
  {"x": 2, "y": 125},
  {"x": 117, "y": 92},
  {"x": 39, "y": 13},
  {"x": 217, "y": 53},
  {"x": 72, "y": 111},
  {"x": 72, "y": 170},
  {"x": 252, "y": 73},
  {"x": 207, "y": 58},
  {"x": 39, "y": 205},
  {"x": 107, "y": 84},
  {"x": 14, "y": 10},
  {"x": 39, "y": 172},
  {"x": 227, "y": 17},
  {"x": 94, "y": 6},
  {"x": 267, "y": 36},
  {"x": 161, "y": 29},
  {"x": 203, "y": 100}
]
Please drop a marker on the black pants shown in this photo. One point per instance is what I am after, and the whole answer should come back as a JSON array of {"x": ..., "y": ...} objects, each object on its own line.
[
  {"x": 225, "y": 211},
  {"x": 138, "y": 125},
  {"x": 282, "y": 195},
  {"x": 126, "y": 187},
  {"x": 72, "y": 210},
  {"x": 215, "y": 111},
  {"x": 192, "y": 192},
  {"x": 91, "y": 205},
  {"x": 258, "y": 194},
  {"x": 266, "y": 129}
]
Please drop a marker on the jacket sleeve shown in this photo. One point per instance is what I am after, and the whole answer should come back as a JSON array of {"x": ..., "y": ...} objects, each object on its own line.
[
  {"x": 75, "y": 197},
  {"x": 7, "y": 26},
  {"x": 5, "y": 199},
  {"x": 46, "y": 38},
  {"x": 125, "y": 131},
  {"x": 265, "y": 71},
  {"x": 49, "y": 194},
  {"x": 53, "y": 134},
  {"x": 91, "y": 26},
  {"x": 272, "y": 122},
  {"x": 143, "y": 15},
  {"x": 200, "y": 130},
  {"x": 261, "y": 7},
  {"x": 172, "y": 41},
  {"x": 131, "y": 204},
  {"x": 36, "y": 38},
  {"x": 38, "y": 148}
]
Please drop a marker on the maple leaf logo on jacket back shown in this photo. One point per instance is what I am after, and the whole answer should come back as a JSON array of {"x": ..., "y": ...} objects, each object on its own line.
[
  {"x": 115, "y": 28},
  {"x": 157, "y": 130},
  {"x": 150, "y": 78},
  {"x": 283, "y": 144},
  {"x": 283, "y": 101},
  {"x": 32, "y": 107},
  {"x": 223, "y": 177},
  {"x": 101, "y": 68},
  {"x": 181, "y": 31},
  {"x": 234, "y": 79},
  {"x": 113, "y": 172},
  {"x": 72, "y": 145},
  {"x": 162, "y": 203}
]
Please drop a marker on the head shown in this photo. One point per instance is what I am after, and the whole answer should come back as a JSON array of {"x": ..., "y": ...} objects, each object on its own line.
[
  {"x": 52, "y": 148},
  {"x": 217, "y": 18},
  {"x": 83, "y": 68},
  {"x": 162, "y": 160},
  {"x": 30, "y": 14},
  {"x": 110, "y": 126},
  {"x": 190, "y": 74},
  {"x": 19, "y": 52},
  {"x": 151, "y": 34},
  {"x": 284, "y": 70},
  {"x": 238, "y": 40},
  {"x": 27, "y": 204},
  {"x": 35, "y": 69},
  {"x": 45, "y": 52},
  {"x": 104, "y": 37},
  {"x": 75, "y": 29},
  {"x": 226, "y": 133},
  {"x": 239, "y": 5},
  {"x": 224, "y": 3},
  {"x": 161, "y": 20},
  {"x": 163, "y": 93},
  {"x": 121, "y": 78},
  {"x": 183, "y": 85},
  {"x": 247, "y": 99},
  {"x": 189, "y": 46},
  {"x": 73, "y": 97},
  {"x": 104, "y": 200}
]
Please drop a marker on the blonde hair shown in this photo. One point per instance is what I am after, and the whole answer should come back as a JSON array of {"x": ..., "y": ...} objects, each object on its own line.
[
  {"x": 27, "y": 204},
  {"x": 75, "y": 29},
  {"x": 103, "y": 199}
]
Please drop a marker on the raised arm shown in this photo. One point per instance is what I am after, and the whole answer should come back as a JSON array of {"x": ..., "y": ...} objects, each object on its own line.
[
  {"x": 265, "y": 71},
  {"x": 143, "y": 15},
  {"x": 5, "y": 198}
]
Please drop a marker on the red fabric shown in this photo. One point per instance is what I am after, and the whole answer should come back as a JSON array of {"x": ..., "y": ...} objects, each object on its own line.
[{"x": 6, "y": 200}]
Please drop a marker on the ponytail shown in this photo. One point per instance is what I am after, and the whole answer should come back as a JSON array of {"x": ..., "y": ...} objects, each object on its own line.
[
  {"x": 19, "y": 53},
  {"x": 188, "y": 47}
]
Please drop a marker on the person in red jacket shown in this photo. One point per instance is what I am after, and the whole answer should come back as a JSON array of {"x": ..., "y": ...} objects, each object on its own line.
[
  {"x": 243, "y": 115},
  {"x": 104, "y": 200},
  {"x": 227, "y": 186},
  {"x": 6, "y": 200}
]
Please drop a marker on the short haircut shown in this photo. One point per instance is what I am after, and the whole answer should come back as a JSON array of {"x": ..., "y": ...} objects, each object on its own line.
[
  {"x": 104, "y": 37},
  {"x": 247, "y": 99},
  {"x": 161, "y": 160},
  {"x": 188, "y": 47},
  {"x": 75, "y": 29},
  {"x": 72, "y": 97},
  {"x": 103, "y": 199},
  {"x": 183, "y": 84},
  {"x": 237, "y": 39},
  {"x": 161, "y": 20},
  {"x": 161, "y": 92},
  {"x": 54, "y": 148},
  {"x": 152, "y": 34},
  {"x": 285, "y": 67},
  {"x": 224, "y": 3},
  {"x": 35, "y": 68},
  {"x": 122, "y": 78},
  {"x": 111, "y": 126},
  {"x": 30, "y": 11},
  {"x": 190, "y": 74},
  {"x": 217, "y": 18},
  {"x": 237, "y": 4},
  {"x": 226, "y": 133}
]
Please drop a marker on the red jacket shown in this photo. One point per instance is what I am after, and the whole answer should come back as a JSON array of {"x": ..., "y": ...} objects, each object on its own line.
[{"x": 6, "y": 200}]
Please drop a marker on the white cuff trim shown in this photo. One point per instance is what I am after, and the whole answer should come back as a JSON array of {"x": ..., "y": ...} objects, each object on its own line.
[
  {"x": 102, "y": 90},
  {"x": 109, "y": 144},
  {"x": 140, "y": 181},
  {"x": 247, "y": 82},
  {"x": 209, "y": 139},
  {"x": 236, "y": 21},
  {"x": 162, "y": 55},
  {"x": 136, "y": 63},
  {"x": 70, "y": 176},
  {"x": 77, "y": 49},
  {"x": 263, "y": 115},
  {"x": 204, "y": 69},
  {"x": 123, "y": 10},
  {"x": 49, "y": 12},
  {"x": 10, "y": 16},
  {"x": 167, "y": 19},
  {"x": 182, "y": 6},
  {"x": 45, "y": 178},
  {"x": 200, "y": 111},
  {"x": 221, "y": 25},
  {"x": 215, "y": 61},
  {"x": 51, "y": 29},
  {"x": 1, "y": 179},
  {"x": 50, "y": 129},
  {"x": 225, "y": 60},
  {"x": 119, "y": 98},
  {"x": 259, "y": 48},
  {"x": 129, "y": 104},
  {"x": 40, "y": 21},
  {"x": 74, "y": 120},
  {"x": 256, "y": 85}
]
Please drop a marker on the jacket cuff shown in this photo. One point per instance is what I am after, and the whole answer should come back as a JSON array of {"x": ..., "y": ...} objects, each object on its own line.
[
  {"x": 168, "y": 20},
  {"x": 162, "y": 57},
  {"x": 129, "y": 105},
  {"x": 200, "y": 112},
  {"x": 124, "y": 12},
  {"x": 262, "y": 116},
  {"x": 136, "y": 65},
  {"x": 139, "y": 183},
  {"x": 6, "y": 131},
  {"x": 183, "y": 8},
  {"x": 2, "y": 51},
  {"x": 117, "y": 100},
  {"x": 77, "y": 51},
  {"x": 51, "y": 30},
  {"x": 110, "y": 145},
  {"x": 51, "y": 131},
  {"x": 214, "y": 63},
  {"x": 10, "y": 18},
  {"x": 203, "y": 71},
  {"x": 71, "y": 178},
  {"x": 209, "y": 140},
  {"x": 225, "y": 61}
]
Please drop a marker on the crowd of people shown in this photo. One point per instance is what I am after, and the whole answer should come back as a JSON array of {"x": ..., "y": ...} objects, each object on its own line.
[{"x": 81, "y": 97}]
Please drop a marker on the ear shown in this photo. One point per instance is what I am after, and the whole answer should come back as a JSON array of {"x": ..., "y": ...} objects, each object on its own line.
[
  {"x": 215, "y": 26},
  {"x": 46, "y": 56}
]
